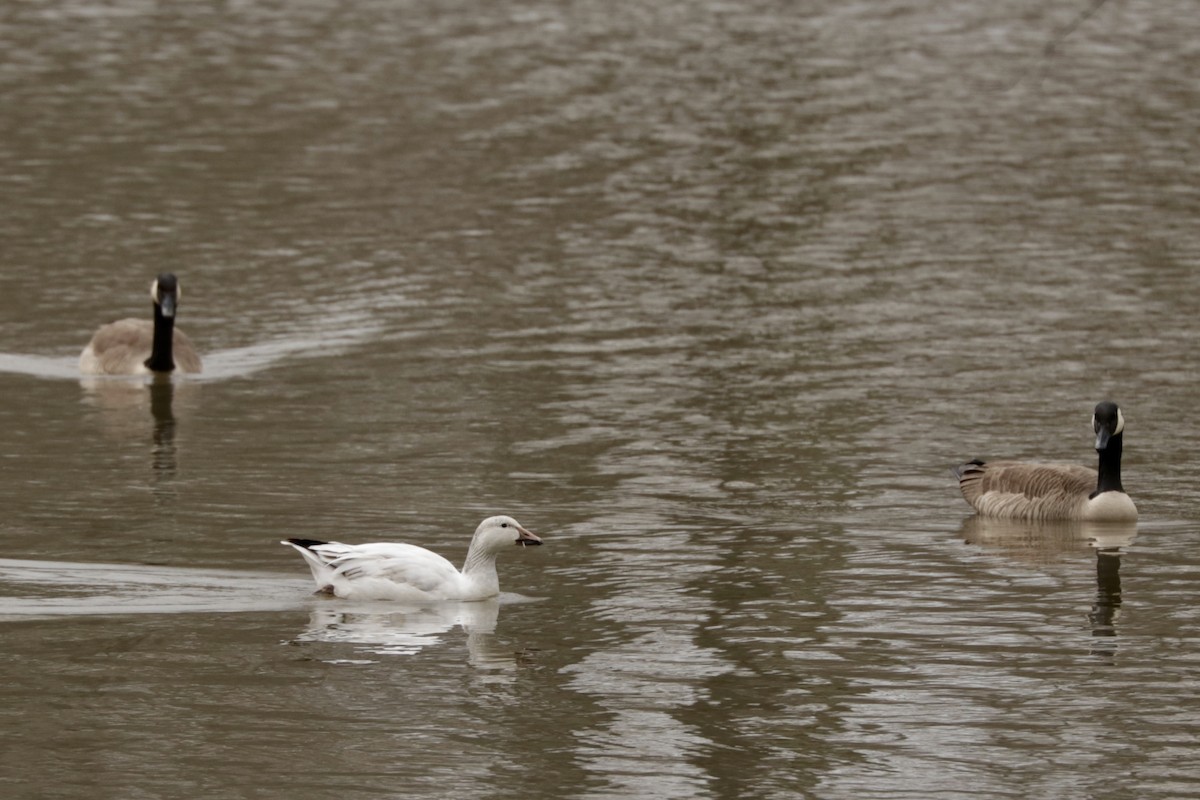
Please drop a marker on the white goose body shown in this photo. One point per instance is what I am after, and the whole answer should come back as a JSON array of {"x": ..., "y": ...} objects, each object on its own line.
[
  {"x": 411, "y": 574},
  {"x": 141, "y": 346},
  {"x": 1019, "y": 490}
]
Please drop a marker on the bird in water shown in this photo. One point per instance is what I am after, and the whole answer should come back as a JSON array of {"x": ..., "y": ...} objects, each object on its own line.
[
  {"x": 408, "y": 573},
  {"x": 141, "y": 346},
  {"x": 1028, "y": 491}
]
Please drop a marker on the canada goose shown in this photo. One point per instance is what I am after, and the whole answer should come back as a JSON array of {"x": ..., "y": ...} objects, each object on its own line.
[
  {"x": 405, "y": 572},
  {"x": 1018, "y": 490},
  {"x": 138, "y": 346}
]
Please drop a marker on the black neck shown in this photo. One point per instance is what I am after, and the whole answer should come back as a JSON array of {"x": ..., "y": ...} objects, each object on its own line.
[
  {"x": 1109, "y": 479},
  {"x": 160, "y": 359}
]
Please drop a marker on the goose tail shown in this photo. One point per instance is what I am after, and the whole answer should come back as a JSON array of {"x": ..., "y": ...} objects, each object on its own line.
[
  {"x": 321, "y": 571},
  {"x": 970, "y": 480},
  {"x": 963, "y": 469}
]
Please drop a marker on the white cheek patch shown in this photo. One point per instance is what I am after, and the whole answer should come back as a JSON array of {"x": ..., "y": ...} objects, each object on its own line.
[
  {"x": 154, "y": 290},
  {"x": 1120, "y": 423}
]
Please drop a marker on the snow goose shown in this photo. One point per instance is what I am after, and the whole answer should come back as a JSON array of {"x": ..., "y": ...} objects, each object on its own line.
[
  {"x": 139, "y": 346},
  {"x": 1018, "y": 490},
  {"x": 411, "y": 574}
]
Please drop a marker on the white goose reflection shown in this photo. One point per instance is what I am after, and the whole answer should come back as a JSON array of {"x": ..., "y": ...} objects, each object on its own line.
[{"x": 383, "y": 629}]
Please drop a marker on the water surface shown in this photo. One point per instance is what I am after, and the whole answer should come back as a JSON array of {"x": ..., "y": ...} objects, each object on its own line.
[{"x": 711, "y": 296}]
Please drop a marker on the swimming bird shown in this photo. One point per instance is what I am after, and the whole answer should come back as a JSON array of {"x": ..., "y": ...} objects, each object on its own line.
[
  {"x": 405, "y": 572},
  {"x": 1018, "y": 490},
  {"x": 139, "y": 346}
]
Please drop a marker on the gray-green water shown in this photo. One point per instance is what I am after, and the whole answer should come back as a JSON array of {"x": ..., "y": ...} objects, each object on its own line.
[{"x": 709, "y": 295}]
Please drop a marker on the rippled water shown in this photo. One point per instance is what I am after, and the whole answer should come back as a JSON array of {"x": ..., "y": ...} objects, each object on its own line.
[{"x": 709, "y": 295}]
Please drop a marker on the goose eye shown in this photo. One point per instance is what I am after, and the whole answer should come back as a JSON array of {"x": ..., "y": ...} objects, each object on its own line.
[{"x": 503, "y": 524}]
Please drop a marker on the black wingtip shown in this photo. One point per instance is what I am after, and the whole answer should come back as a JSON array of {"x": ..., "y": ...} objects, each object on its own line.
[{"x": 306, "y": 543}]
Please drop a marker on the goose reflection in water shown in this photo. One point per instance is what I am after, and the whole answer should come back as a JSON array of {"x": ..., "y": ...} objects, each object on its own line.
[
  {"x": 1105, "y": 609},
  {"x": 133, "y": 408},
  {"x": 1044, "y": 542},
  {"x": 382, "y": 629},
  {"x": 162, "y": 410}
]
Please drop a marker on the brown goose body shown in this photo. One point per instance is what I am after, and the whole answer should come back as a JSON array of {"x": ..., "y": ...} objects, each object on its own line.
[
  {"x": 142, "y": 346},
  {"x": 1029, "y": 491}
]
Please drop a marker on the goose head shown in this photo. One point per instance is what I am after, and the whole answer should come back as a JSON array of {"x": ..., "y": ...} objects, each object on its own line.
[
  {"x": 495, "y": 533},
  {"x": 1107, "y": 422},
  {"x": 165, "y": 292}
]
